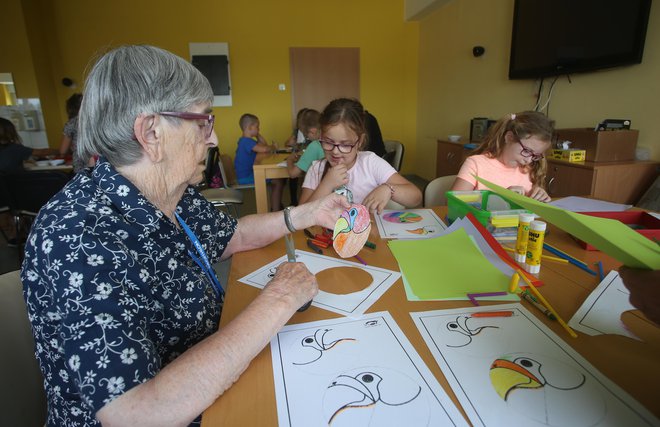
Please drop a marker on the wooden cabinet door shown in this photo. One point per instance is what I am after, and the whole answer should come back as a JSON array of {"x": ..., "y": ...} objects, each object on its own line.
[
  {"x": 449, "y": 158},
  {"x": 568, "y": 180}
]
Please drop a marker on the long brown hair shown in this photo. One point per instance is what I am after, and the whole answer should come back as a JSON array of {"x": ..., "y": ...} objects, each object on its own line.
[
  {"x": 8, "y": 134},
  {"x": 523, "y": 125},
  {"x": 346, "y": 111}
]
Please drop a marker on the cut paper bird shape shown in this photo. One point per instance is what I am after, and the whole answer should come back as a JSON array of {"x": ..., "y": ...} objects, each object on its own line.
[
  {"x": 351, "y": 231},
  {"x": 317, "y": 342},
  {"x": 364, "y": 390}
]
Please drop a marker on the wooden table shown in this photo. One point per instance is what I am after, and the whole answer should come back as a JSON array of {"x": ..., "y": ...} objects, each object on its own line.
[
  {"x": 633, "y": 365},
  {"x": 266, "y": 167}
]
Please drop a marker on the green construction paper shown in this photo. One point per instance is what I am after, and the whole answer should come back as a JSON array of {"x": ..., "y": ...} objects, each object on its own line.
[
  {"x": 608, "y": 235},
  {"x": 410, "y": 295},
  {"x": 448, "y": 266}
]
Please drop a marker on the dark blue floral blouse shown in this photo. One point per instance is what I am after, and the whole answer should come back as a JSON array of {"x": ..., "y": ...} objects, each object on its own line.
[{"x": 112, "y": 293}]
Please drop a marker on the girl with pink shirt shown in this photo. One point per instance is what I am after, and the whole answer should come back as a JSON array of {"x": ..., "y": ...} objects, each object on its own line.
[
  {"x": 369, "y": 179},
  {"x": 511, "y": 156}
]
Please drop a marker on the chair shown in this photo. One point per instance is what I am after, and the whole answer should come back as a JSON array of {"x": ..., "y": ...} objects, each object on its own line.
[
  {"x": 434, "y": 193},
  {"x": 28, "y": 192},
  {"x": 224, "y": 196},
  {"x": 394, "y": 154},
  {"x": 227, "y": 170},
  {"x": 22, "y": 396}
]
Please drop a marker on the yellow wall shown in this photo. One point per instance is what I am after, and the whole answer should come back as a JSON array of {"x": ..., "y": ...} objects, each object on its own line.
[
  {"x": 454, "y": 86},
  {"x": 259, "y": 34}
]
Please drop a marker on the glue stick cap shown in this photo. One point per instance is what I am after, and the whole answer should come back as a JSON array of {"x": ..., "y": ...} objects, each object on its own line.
[
  {"x": 526, "y": 217},
  {"x": 537, "y": 226},
  {"x": 532, "y": 268}
]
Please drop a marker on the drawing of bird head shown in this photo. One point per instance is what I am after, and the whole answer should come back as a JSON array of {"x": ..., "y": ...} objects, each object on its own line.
[
  {"x": 364, "y": 383},
  {"x": 355, "y": 219},
  {"x": 510, "y": 373}
]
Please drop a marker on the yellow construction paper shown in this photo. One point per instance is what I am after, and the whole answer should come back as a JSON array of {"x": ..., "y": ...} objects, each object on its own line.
[
  {"x": 608, "y": 235},
  {"x": 448, "y": 266}
]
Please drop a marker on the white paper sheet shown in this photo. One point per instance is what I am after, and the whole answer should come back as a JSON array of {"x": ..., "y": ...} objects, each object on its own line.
[
  {"x": 601, "y": 311},
  {"x": 352, "y": 304},
  {"x": 583, "y": 204},
  {"x": 513, "y": 371},
  {"x": 355, "y": 372},
  {"x": 409, "y": 224}
]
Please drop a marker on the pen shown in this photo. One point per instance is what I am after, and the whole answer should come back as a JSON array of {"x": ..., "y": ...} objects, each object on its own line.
[
  {"x": 370, "y": 245},
  {"x": 543, "y": 301},
  {"x": 492, "y": 314},
  {"x": 530, "y": 299},
  {"x": 313, "y": 247}
]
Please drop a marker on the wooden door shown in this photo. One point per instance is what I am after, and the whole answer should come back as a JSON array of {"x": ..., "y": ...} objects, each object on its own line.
[{"x": 321, "y": 74}]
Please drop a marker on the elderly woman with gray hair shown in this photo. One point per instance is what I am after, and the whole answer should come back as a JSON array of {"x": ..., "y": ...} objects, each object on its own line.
[{"x": 117, "y": 277}]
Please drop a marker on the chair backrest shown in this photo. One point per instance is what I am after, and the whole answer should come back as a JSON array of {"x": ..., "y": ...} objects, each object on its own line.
[
  {"x": 212, "y": 159},
  {"x": 227, "y": 170},
  {"x": 22, "y": 396},
  {"x": 30, "y": 190},
  {"x": 434, "y": 193},
  {"x": 394, "y": 153}
]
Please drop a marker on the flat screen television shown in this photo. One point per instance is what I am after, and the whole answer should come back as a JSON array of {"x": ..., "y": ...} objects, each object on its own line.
[{"x": 558, "y": 37}]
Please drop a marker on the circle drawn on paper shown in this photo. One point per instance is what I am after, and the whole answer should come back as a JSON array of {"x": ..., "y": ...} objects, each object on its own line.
[
  {"x": 343, "y": 280},
  {"x": 402, "y": 217}
]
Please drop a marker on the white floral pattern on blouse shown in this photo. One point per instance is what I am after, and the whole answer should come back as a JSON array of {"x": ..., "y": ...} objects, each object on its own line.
[{"x": 112, "y": 294}]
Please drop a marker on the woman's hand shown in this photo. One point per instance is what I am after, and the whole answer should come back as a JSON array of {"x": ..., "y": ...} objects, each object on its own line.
[
  {"x": 377, "y": 199},
  {"x": 323, "y": 212},
  {"x": 336, "y": 176},
  {"x": 539, "y": 194},
  {"x": 293, "y": 282}
]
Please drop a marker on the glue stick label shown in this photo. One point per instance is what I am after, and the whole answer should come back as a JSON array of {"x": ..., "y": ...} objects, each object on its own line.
[
  {"x": 521, "y": 241},
  {"x": 535, "y": 243}
]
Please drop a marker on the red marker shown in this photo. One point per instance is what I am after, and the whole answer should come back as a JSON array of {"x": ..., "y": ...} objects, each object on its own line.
[
  {"x": 493, "y": 314},
  {"x": 319, "y": 243}
]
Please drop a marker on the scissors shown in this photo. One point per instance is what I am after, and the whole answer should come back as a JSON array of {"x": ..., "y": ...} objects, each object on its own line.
[{"x": 291, "y": 257}]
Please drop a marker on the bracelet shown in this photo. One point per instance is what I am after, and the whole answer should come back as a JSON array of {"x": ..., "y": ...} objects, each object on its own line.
[
  {"x": 391, "y": 189},
  {"x": 287, "y": 219}
]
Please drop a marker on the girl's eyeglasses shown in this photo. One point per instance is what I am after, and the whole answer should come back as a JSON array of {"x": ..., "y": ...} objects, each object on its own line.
[
  {"x": 526, "y": 152},
  {"x": 207, "y": 125},
  {"x": 343, "y": 148}
]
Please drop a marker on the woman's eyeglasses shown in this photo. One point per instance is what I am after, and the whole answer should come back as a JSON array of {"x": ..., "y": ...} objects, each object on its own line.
[
  {"x": 526, "y": 152},
  {"x": 208, "y": 118},
  {"x": 328, "y": 145}
]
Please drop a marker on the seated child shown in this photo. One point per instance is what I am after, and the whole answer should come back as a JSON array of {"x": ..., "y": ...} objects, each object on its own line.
[
  {"x": 511, "y": 156},
  {"x": 297, "y": 137},
  {"x": 299, "y": 163},
  {"x": 367, "y": 178},
  {"x": 246, "y": 152}
]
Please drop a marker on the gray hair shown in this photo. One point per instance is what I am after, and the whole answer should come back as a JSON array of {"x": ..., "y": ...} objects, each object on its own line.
[{"x": 129, "y": 81}]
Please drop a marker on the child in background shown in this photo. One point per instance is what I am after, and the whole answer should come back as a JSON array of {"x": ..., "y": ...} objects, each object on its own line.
[
  {"x": 370, "y": 179},
  {"x": 298, "y": 136},
  {"x": 249, "y": 144},
  {"x": 298, "y": 163},
  {"x": 511, "y": 156}
]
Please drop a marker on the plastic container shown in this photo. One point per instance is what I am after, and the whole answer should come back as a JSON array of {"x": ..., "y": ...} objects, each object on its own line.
[{"x": 480, "y": 203}]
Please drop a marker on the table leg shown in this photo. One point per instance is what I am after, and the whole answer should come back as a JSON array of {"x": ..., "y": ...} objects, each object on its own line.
[{"x": 260, "y": 190}]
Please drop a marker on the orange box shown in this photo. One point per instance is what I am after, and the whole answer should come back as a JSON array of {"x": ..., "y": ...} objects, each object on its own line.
[{"x": 644, "y": 223}]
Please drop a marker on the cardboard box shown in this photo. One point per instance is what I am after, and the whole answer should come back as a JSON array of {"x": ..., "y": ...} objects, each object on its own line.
[
  {"x": 604, "y": 145},
  {"x": 571, "y": 155},
  {"x": 642, "y": 222}
]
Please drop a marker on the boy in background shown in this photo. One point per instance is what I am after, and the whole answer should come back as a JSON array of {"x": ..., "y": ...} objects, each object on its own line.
[{"x": 249, "y": 144}]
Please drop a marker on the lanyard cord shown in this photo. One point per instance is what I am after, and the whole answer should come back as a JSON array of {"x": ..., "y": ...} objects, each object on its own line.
[{"x": 201, "y": 259}]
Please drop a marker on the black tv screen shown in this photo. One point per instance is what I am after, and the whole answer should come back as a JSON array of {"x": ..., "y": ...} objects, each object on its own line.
[{"x": 557, "y": 37}]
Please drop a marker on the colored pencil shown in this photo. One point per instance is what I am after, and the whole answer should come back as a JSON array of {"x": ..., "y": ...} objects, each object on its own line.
[
  {"x": 576, "y": 262},
  {"x": 547, "y": 257},
  {"x": 492, "y": 314},
  {"x": 547, "y": 305},
  {"x": 357, "y": 257},
  {"x": 601, "y": 273},
  {"x": 530, "y": 299}
]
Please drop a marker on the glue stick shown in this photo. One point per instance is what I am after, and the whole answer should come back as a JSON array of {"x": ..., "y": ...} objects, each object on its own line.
[
  {"x": 535, "y": 246},
  {"x": 523, "y": 231}
]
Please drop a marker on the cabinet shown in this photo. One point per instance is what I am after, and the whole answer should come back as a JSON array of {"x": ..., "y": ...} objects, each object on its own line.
[
  {"x": 619, "y": 182},
  {"x": 449, "y": 157}
]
